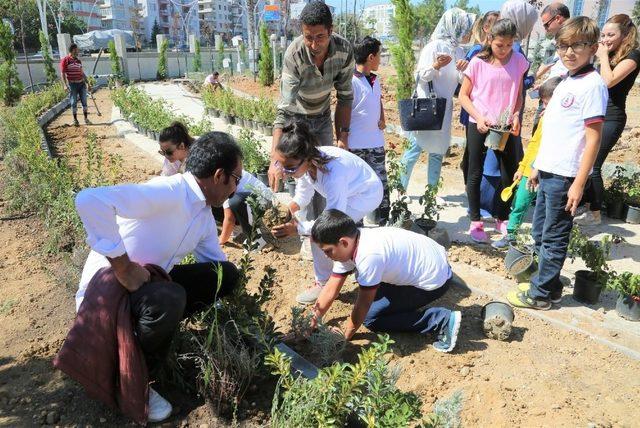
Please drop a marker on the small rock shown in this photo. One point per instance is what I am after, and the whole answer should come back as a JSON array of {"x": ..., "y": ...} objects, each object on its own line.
[
  {"x": 464, "y": 371},
  {"x": 52, "y": 417},
  {"x": 103, "y": 420},
  {"x": 203, "y": 426},
  {"x": 613, "y": 333}
]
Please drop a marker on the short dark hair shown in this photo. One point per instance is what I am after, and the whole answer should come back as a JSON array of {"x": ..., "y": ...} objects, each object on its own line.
[
  {"x": 316, "y": 13},
  {"x": 72, "y": 46},
  {"x": 555, "y": 9},
  {"x": 550, "y": 85},
  {"x": 215, "y": 73},
  {"x": 364, "y": 48},
  {"x": 214, "y": 150},
  {"x": 332, "y": 225},
  {"x": 299, "y": 142}
]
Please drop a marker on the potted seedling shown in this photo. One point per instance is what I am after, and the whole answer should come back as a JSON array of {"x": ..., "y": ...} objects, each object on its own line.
[
  {"x": 627, "y": 285},
  {"x": 499, "y": 132},
  {"x": 399, "y": 214},
  {"x": 430, "y": 209},
  {"x": 589, "y": 283},
  {"x": 616, "y": 194},
  {"x": 633, "y": 214},
  {"x": 519, "y": 259}
]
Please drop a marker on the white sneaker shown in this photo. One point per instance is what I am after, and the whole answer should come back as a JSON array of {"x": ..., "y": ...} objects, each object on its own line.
[
  {"x": 310, "y": 295},
  {"x": 589, "y": 218},
  {"x": 159, "y": 408}
]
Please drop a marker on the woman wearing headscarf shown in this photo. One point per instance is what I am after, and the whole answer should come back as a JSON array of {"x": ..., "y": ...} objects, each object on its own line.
[{"x": 440, "y": 64}]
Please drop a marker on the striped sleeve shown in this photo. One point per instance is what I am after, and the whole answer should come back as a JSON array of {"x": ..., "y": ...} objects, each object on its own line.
[{"x": 344, "y": 89}]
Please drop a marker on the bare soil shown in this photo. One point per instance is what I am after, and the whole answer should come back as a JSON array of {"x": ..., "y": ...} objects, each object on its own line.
[{"x": 541, "y": 376}]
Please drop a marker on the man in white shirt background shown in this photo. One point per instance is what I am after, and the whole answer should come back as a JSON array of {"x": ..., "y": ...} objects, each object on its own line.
[{"x": 160, "y": 222}]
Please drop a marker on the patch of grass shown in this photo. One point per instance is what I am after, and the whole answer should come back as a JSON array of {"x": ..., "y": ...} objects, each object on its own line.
[{"x": 6, "y": 305}]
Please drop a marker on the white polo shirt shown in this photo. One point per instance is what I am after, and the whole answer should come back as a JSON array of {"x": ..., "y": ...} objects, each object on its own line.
[
  {"x": 365, "y": 113},
  {"x": 249, "y": 183},
  {"x": 557, "y": 69},
  {"x": 398, "y": 257},
  {"x": 579, "y": 100}
]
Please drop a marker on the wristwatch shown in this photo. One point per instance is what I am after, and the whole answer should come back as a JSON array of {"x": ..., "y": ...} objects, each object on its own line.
[{"x": 344, "y": 129}]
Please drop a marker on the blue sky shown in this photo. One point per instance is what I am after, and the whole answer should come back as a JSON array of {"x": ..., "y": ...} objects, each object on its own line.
[{"x": 484, "y": 4}]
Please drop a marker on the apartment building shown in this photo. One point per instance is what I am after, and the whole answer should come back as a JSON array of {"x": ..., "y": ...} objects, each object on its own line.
[{"x": 380, "y": 17}]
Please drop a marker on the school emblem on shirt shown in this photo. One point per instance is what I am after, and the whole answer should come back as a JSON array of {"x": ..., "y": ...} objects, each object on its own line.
[{"x": 568, "y": 100}]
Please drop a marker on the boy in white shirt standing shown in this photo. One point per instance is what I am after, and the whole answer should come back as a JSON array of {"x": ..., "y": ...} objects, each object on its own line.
[
  {"x": 399, "y": 272},
  {"x": 366, "y": 139},
  {"x": 571, "y": 136}
]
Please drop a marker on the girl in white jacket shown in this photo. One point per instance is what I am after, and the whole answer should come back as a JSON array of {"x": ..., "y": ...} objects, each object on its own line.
[{"x": 345, "y": 180}]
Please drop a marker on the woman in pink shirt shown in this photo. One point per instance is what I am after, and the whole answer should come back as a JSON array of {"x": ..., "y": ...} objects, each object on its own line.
[{"x": 492, "y": 86}]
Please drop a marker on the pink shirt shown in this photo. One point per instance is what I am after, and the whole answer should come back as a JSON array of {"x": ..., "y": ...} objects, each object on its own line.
[{"x": 495, "y": 88}]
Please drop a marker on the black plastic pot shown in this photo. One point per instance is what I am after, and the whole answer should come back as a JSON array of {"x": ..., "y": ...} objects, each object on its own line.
[
  {"x": 267, "y": 130},
  {"x": 496, "y": 139},
  {"x": 616, "y": 209},
  {"x": 374, "y": 216},
  {"x": 585, "y": 288},
  {"x": 497, "y": 319},
  {"x": 425, "y": 225},
  {"x": 214, "y": 112},
  {"x": 291, "y": 187},
  {"x": 517, "y": 261},
  {"x": 231, "y": 120},
  {"x": 525, "y": 276},
  {"x": 264, "y": 177},
  {"x": 628, "y": 307},
  {"x": 633, "y": 215}
]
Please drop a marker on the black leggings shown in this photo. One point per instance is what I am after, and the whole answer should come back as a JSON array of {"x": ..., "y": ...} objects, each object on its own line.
[
  {"x": 508, "y": 166},
  {"x": 611, "y": 132}
]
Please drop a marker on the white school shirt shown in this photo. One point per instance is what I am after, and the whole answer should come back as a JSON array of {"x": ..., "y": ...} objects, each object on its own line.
[
  {"x": 365, "y": 113},
  {"x": 557, "y": 69},
  {"x": 579, "y": 100},
  {"x": 348, "y": 183},
  {"x": 158, "y": 222},
  {"x": 398, "y": 257},
  {"x": 249, "y": 183}
]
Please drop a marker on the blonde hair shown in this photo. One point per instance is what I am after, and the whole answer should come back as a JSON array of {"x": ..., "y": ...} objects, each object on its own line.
[
  {"x": 478, "y": 36},
  {"x": 629, "y": 38},
  {"x": 578, "y": 29}
]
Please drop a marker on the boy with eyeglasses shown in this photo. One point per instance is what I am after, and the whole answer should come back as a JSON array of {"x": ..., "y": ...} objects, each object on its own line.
[{"x": 570, "y": 140}]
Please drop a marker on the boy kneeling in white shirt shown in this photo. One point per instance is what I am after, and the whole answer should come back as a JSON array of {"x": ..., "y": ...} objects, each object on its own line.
[{"x": 399, "y": 273}]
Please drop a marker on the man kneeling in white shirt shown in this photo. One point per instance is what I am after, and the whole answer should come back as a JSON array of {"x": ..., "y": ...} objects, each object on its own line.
[
  {"x": 160, "y": 222},
  {"x": 399, "y": 272}
]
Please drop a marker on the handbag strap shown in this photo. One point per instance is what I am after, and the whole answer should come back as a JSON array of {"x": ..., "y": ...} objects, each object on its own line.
[{"x": 432, "y": 92}]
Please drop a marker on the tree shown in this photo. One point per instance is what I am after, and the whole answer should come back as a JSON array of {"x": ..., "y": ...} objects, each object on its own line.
[
  {"x": 635, "y": 14},
  {"x": 155, "y": 30},
  {"x": 220, "y": 56},
  {"x": 352, "y": 28},
  {"x": 162, "y": 72},
  {"x": 10, "y": 84},
  {"x": 266, "y": 58},
  {"x": 427, "y": 15},
  {"x": 197, "y": 60},
  {"x": 116, "y": 68},
  {"x": 49, "y": 69},
  {"x": 464, "y": 5},
  {"x": 402, "y": 55}
]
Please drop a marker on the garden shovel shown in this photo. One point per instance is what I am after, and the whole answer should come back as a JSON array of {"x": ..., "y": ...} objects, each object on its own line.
[
  {"x": 95, "y": 103},
  {"x": 508, "y": 191}
]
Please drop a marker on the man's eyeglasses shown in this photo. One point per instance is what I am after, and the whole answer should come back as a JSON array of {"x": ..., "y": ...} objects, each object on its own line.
[
  {"x": 236, "y": 178},
  {"x": 289, "y": 170},
  {"x": 577, "y": 48},
  {"x": 166, "y": 153},
  {"x": 546, "y": 24}
]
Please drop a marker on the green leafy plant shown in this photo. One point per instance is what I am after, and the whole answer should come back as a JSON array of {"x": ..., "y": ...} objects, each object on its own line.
[
  {"x": 49, "y": 69},
  {"x": 116, "y": 67},
  {"x": 633, "y": 190},
  {"x": 399, "y": 212},
  {"x": 402, "y": 55},
  {"x": 255, "y": 160},
  {"x": 197, "y": 58},
  {"x": 618, "y": 186},
  {"x": 163, "y": 71},
  {"x": 220, "y": 57},
  {"x": 594, "y": 254},
  {"x": 343, "y": 392},
  {"x": 326, "y": 345},
  {"x": 10, "y": 84},
  {"x": 503, "y": 122},
  {"x": 265, "y": 64},
  {"x": 626, "y": 283},
  {"x": 429, "y": 203}
]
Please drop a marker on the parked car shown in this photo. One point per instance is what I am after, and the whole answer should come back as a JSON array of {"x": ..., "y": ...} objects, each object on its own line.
[{"x": 54, "y": 54}]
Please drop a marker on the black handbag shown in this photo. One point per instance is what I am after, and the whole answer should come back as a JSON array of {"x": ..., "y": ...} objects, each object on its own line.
[{"x": 422, "y": 114}]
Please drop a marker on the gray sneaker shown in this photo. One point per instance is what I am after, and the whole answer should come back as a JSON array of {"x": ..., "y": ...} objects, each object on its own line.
[{"x": 310, "y": 295}]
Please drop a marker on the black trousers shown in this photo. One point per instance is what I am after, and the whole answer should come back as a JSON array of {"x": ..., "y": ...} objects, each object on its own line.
[
  {"x": 477, "y": 151},
  {"x": 158, "y": 307},
  {"x": 611, "y": 132}
]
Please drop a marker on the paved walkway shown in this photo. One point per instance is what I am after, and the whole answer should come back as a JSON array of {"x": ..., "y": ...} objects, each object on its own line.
[{"x": 599, "y": 321}]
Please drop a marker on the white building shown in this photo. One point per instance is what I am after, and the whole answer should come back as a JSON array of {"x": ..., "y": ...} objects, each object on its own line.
[
  {"x": 88, "y": 11},
  {"x": 117, "y": 14},
  {"x": 380, "y": 17}
]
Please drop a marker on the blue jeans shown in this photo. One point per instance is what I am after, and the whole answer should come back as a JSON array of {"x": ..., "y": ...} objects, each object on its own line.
[
  {"x": 551, "y": 231},
  {"x": 78, "y": 89},
  {"x": 401, "y": 309},
  {"x": 409, "y": 159}
]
